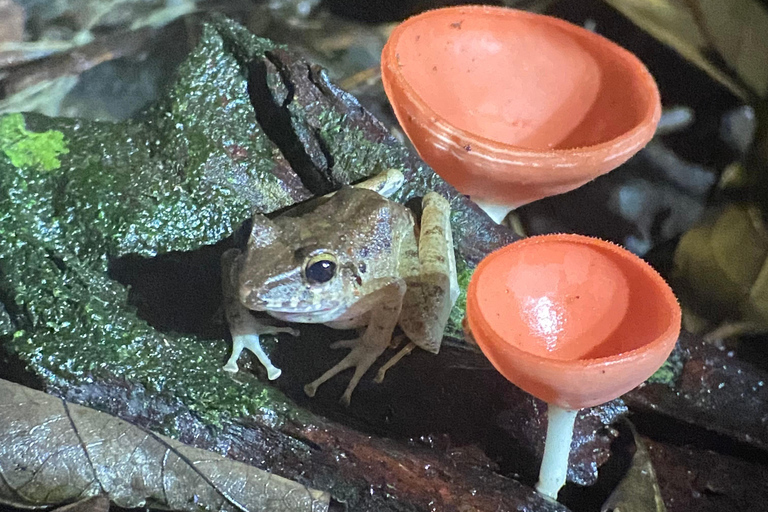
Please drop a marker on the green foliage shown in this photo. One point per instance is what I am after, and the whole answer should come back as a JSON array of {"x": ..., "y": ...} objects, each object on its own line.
[{"x": 30, "y": 149}]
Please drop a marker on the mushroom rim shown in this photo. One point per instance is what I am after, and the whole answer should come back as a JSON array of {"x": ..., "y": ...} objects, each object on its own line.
[
  {"x": 667, "y": 296},
  {"x": 628, "y": 141}
]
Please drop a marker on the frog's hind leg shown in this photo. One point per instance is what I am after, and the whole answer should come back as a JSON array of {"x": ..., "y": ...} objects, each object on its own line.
[
  {"x": 432, "y": 286},
  {"x": 368, "y": 347},
  {"x": 385, "y": 183},
  {"x": 393, "y": 361},
  {"x": 245, "y": 329}
]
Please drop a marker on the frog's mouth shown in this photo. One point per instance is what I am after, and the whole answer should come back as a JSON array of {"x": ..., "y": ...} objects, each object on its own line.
[
  {"x": 310, "y": 316},
  {"x": 255, "y": 303},
  {"x": 283, "y": 307}
]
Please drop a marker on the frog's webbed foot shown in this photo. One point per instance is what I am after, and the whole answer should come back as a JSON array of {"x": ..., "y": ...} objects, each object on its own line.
[
  {"x": 251, "y": 340},
  {"x": 362, "y": 356},
  {"x": 245, "y": 329}
]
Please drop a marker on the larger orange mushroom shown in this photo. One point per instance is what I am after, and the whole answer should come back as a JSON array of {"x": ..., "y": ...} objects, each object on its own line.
[
  {"x": 574, "y": 321},
  {"x": 510, "y": 107}
]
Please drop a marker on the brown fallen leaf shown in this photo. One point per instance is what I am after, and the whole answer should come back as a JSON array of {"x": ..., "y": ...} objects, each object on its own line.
[
  {"x": 98, "y": 503},
  {"x": 728, "y": 40},
  {"x": 721, "y": 270},
  {"x": 638, "y": 491},
  {"x": 53, "y": 452}
]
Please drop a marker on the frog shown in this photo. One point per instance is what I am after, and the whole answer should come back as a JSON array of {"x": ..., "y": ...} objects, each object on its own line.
[{"x": 355, "y": 259}]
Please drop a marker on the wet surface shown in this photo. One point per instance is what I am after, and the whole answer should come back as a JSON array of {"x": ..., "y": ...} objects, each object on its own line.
[
  {"x": 694, "y": 479},
  {"x": 446, "y": 432},
  {"x": 716, "y": 392}
]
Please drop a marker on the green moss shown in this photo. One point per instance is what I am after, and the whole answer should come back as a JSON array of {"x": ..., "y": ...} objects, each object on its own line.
[
  {"x": 670, "y": 371},
  {"x": 354, "y": 156},
  {"x": 168, "y": 182},
  {"x": 6, "y": 324},
  {"x": 30, "y": 149},
  {"x": 77, "y": 324}
]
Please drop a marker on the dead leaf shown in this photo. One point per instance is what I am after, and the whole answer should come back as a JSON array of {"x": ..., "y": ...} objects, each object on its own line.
[
  {"x": 708, "y": 31},
  {"x": 721, "y": 267},
  {"x": 53, "y": 452},
  {"x": 99, "y": 503},
  {"x": 639, "y": 490}
]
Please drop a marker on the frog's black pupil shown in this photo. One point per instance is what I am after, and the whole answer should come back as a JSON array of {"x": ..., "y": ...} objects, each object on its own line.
[{"x": 321, "y": 271}]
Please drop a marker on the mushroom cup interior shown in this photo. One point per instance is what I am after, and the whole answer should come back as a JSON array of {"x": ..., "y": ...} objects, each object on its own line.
[
  {"x": 521, "y": 79},
  {"x": 572, "y": 320}
]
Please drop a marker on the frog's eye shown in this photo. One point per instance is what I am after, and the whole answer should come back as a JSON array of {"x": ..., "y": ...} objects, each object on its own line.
[{"x": 320, "y": 268}]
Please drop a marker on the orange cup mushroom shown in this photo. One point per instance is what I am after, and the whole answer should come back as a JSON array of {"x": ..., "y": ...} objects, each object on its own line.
[
  {"x": 574, "y": 321},
  {"x": 510, "y": 106}
]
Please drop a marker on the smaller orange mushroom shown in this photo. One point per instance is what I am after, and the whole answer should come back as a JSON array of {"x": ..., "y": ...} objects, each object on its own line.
[
  {"x": 510, "y": 106},
  {"x": 575, "y": 321}
]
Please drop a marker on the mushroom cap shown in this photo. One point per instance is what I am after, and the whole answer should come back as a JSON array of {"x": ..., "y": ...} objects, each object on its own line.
[
  {"x": 573, "y": 320},
  {"x": 511, "y": 106}
]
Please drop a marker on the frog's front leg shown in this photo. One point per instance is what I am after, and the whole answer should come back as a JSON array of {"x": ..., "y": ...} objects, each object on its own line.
[
  {"x": 430, "y": 274},
  {"x": 246, "y": 330},
  {"x": 368, "y": 347}
]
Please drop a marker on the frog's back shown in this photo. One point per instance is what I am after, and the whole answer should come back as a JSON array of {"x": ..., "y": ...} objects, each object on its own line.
[
  {"x": 352, "y": 203},
  {"x": 353, "y": 212}
]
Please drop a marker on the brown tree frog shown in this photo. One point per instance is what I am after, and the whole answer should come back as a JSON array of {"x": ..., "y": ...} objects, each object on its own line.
[{"x": 356, "y": 260}]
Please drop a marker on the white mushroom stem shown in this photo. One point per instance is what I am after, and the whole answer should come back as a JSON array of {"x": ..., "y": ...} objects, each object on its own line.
[
  {"x": 554, "y": 465},
  {"x": 497, "y": 212}
]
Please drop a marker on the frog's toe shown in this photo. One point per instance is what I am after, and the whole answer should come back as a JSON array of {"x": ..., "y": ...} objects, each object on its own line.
[
  {"x": 231, "y": 367},
  {"x": 345, "y": 343},
  {"x": 392, "y": 362},
  {"x": 346, "y": 399},
  {"x": 361, "y": 358},
  {"x": 237, "y": 348},
  {"x": 364, "y": 362},
  {"x": 310, "y": 389}
]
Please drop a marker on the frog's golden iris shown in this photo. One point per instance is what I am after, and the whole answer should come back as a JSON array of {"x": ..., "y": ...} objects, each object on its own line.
[{"x": 320, "y": 268}]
